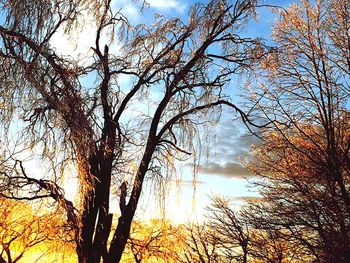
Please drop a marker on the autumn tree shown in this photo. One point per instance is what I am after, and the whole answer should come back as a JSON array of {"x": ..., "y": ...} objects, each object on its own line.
[
  {"x": 18, "y": 231},
  {"x": 82, "y": 113},
  {"x": 300, "y": 203},
  {"x": 154, "y": 241},
  {"x": 23, "y": 231},
  {"x": 271, "y": 246},
  {"x": 268, "y": 242},
  {"x": 305, "y": 155}
]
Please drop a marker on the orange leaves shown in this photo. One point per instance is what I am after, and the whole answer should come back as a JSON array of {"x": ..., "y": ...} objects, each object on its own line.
[
  {"x": 270, "y": 61},
  {"x": 153, "y": 241},
  {"x": 23, "y": 230},
  {"x": 291, "y": 153}
]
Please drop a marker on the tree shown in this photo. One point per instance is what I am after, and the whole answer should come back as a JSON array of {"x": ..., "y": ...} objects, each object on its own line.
[
  {"x": 199, "y": 245},
  {"x": 223, "y": 237},
  {"x": 179, "y": 69},
  {"x": 231, "y": 231},
  {"x": 300, "y": 202},
  {"x": 23, "y": 231},
  {"x": 270, "y": 246},
  {"x": 305, "y": 156},
  {"x": 154, "y": 241},
  {"x": 306, "y": 78}
]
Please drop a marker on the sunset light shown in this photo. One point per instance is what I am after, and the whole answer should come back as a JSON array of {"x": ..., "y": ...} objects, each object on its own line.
[{"x": 175, "y": 131}]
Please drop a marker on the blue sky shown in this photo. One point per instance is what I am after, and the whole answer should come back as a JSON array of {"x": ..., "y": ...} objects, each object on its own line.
[{"x": 220, "y": 172}]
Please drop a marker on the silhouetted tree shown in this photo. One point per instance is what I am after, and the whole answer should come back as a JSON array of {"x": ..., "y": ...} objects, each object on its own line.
[
  {"x": 84, "y": 114},
  {"x": 22, "y": 231},
  {"x": 156, "y": 240},
  {"x": 223, "y": 237},
  {"x": 199, "y": 245},
  {"x": 300, "y": 202},
  {"x": 231, "y": 231}
]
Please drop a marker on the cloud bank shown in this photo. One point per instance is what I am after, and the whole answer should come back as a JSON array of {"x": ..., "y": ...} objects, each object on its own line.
[
  {"x": 232, "y": 144},
  {"x": 228, "y": 170}
]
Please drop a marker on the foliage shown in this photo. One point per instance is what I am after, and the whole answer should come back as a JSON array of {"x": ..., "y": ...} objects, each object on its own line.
[
  {"x": 300, "y": 199},
  {"x": 304, "y": 158},
  {"x": 24, "y": 232},
  {"x": 123, "y": 116}
]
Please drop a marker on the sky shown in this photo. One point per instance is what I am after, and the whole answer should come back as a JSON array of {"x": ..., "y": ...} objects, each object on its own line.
[
  {"x": 219, "y": 173},
  {"x": 222, "y": 172}
]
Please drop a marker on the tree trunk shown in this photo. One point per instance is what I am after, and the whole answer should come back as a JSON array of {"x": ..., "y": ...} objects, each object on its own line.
[
  {"x": 245, "y": 254},
  {"x": 122, "y": 232},
  {"x": 96, "y": 220},
  {"x": 120, "y": 239}
]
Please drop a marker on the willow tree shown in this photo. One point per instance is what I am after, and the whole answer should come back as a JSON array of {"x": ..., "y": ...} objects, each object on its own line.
[{"x": 116, "y": 133}]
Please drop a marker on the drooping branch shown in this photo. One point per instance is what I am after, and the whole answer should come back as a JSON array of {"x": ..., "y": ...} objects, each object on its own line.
[{"x": 22, "y": 180}]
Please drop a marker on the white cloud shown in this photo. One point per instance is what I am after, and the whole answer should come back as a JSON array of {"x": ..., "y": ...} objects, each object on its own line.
[
  {"x": 131, "y": 10},
  {"x": 167, "y": 4},
  {"x": 77, "y": 44}
]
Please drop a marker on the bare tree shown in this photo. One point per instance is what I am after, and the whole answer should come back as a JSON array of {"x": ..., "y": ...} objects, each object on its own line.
[
  {"x": 224, "y": 237},
  {"x": 305, "y": 157},
  {"x": 300, "y": 202},
  {"x": 272, "y": 244},
  {"x": 156, "y": 240},
  {"x": 178, "y": 69},
  {"x": 231, "y": 231},
  {"x": 199, "y": 245},
  {"x": 268, "y": 246}
]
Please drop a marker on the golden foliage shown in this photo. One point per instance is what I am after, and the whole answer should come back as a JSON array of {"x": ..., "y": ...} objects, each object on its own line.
[
  {"x": 30, "y": 233},
  {"x": 154, "y": 241}
]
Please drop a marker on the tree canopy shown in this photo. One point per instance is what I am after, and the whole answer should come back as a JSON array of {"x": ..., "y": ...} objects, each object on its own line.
[
  {"x": 84, "y": 114},
  {"x": 137, "y": 103}
]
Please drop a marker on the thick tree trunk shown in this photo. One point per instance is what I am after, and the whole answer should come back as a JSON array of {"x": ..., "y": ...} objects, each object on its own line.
[
  {"x": 120, "y": 239},
  {"x": 122, "y": 232},
  {"x": 96, "y": 220}
]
